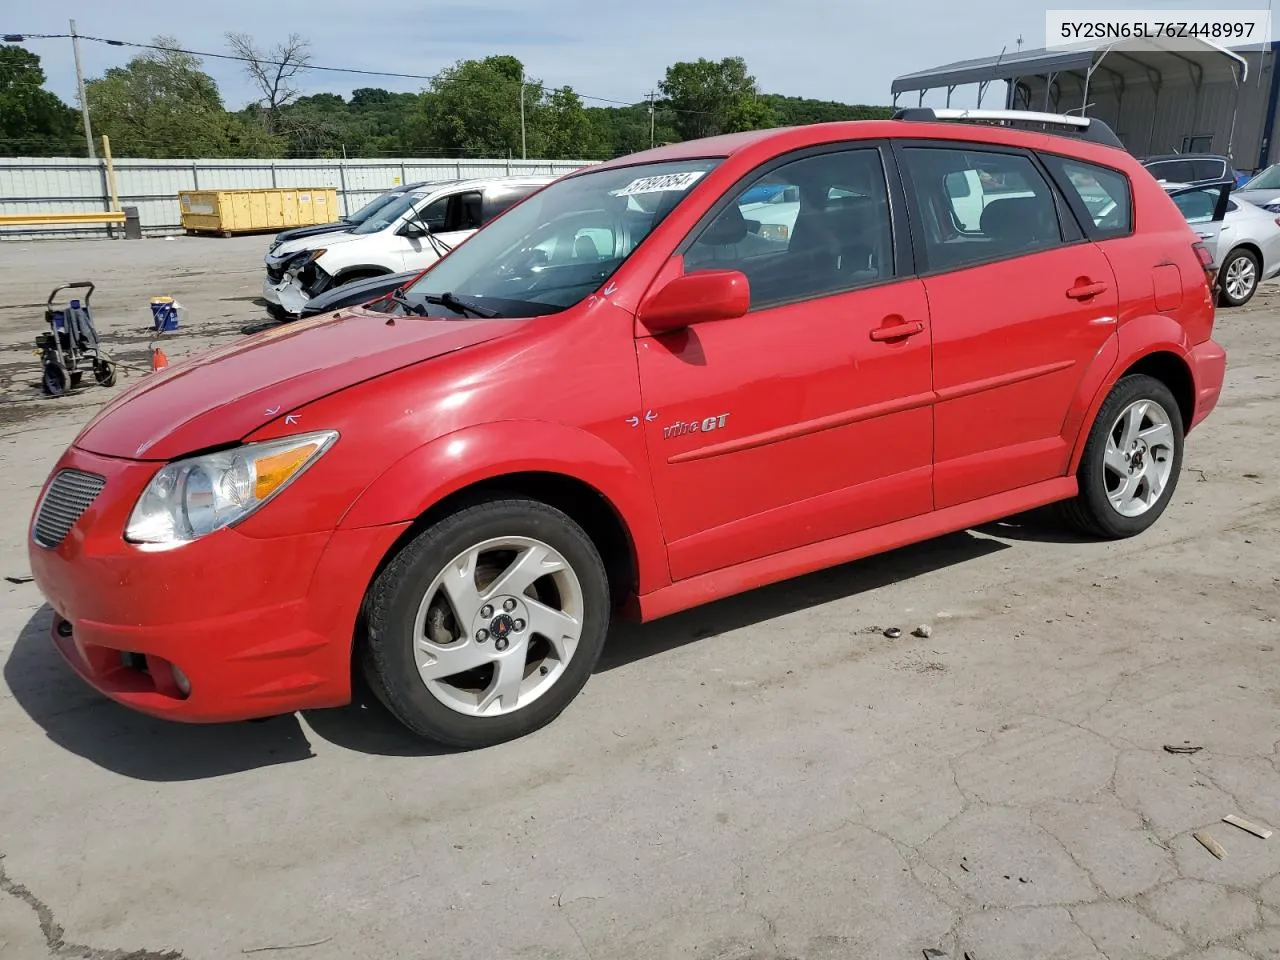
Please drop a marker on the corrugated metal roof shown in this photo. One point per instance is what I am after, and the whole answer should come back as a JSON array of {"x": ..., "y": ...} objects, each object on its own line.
[{"x": 1129, "y": 57}]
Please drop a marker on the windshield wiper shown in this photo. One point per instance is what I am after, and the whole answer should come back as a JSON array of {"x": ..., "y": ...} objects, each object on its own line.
[
  {"x": 408, "y": 306},
  {"x": 459, "y": 306}
]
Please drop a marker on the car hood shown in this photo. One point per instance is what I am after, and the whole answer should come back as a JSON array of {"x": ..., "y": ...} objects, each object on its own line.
[
  {"x": 325, "y": 240},
  {"x": 222, "y": 396},
  {"x": 297, "y": 233},
  {"x": 1258, "y": 197}
]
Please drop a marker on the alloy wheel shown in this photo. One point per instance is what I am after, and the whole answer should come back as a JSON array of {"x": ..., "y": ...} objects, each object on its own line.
[
  {"x": 1240, "y": 278},
  {"x": 1138, "y": 460},
  {"x": 498, "y": 626}
]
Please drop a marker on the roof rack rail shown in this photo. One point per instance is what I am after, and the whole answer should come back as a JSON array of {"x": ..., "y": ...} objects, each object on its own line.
[{"x": 1088, "y": 128}]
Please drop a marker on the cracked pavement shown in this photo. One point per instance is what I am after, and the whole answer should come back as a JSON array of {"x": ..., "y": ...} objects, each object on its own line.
[{"x": 768, "y": 778}]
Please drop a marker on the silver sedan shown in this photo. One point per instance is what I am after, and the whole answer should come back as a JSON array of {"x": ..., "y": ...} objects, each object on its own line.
[{"x": 1243, "y": 238}]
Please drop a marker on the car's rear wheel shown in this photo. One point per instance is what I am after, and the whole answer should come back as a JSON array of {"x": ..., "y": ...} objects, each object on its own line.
[
  {"x": 1131, "y": 462},
  {"x": 487, "y": 625},
  {"x": 1238, "y": 279}
]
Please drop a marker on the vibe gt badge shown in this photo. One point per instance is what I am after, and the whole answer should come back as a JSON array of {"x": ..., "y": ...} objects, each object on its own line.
[{"x": 682, "y": 427}]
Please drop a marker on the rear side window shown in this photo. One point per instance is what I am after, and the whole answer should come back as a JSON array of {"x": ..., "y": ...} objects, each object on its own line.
[
  {"x": 1209, "y": 169},
  {"x": 976, "y": 206},
  {"x": 499, "y": 200},
  {"x": 1173, "y": 171},
  {"x": 1105, "y": 194}
]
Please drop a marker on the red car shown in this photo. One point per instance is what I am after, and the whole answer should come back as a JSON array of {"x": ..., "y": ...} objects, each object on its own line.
[{"x": 624, "y": 394}]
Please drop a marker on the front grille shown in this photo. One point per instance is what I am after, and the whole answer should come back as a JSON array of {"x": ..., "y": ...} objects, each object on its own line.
[{"x": 68, "y": 497}]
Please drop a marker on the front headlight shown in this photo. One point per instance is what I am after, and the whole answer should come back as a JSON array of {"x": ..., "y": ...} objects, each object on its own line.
[
  {"x": 300, "y": 260},
  {"x": 191, "y": 498}
]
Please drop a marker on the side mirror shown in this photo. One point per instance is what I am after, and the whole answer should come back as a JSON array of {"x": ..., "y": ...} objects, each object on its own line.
[
  {"x": 698, "y": 297},
  {"x": 413, "y": 229}
]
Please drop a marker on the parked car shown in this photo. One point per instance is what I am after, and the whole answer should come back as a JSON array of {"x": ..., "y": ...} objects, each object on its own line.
[
  {"x": 408, "y": 233},
  {"x": 1192, "y": 168},
  {"x": 613, "y": 400},
  {"x": 1243, "y": 239},
  {"x": 357, "y": 292},
  {"x": 1263, "y": 189},
  {"x": 348, "y": 222}
]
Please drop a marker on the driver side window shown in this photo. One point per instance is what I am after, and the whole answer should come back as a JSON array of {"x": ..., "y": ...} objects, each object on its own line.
[
  {"x": 809, "y": 228},
  {"x": 435, "y": 215}
]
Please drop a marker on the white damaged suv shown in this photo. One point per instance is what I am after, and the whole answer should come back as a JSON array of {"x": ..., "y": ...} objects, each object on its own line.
[{"x": 410, "y": 233}]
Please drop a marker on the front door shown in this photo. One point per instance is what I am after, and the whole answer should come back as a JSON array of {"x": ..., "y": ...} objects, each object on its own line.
[
  {"x": 811, "y": 416},
  {"x": 1205, "y": 209},
  {"x": 1021, "y": 304}
]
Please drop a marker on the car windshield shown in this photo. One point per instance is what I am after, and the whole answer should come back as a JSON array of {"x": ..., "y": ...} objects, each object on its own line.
[
  {"x": 389, "y": 213},
  {"x": 1268, "y": 179},
  {"x": 373, "y": 206},
  {"x": 552, "y": 250}
]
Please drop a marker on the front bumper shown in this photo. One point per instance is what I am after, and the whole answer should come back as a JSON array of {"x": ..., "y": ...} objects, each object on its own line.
[
  {"x": 288, "y": 294},
  {"x": 258, "y": 626}
]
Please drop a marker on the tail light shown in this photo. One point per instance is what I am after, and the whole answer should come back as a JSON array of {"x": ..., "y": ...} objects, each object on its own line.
[{"x": 1206, "y": 262}]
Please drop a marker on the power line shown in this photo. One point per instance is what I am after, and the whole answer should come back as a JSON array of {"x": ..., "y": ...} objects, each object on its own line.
[{"x": 429, "y": 77}]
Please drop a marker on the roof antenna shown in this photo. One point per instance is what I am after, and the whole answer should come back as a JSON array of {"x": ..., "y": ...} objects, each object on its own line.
[{"x": 1019, "y": 42}]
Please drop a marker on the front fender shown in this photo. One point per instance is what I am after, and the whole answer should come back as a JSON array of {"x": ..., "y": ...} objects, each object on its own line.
[
  {"x": 468, "y": 456},
  {"x": 1137, "y": 338}
]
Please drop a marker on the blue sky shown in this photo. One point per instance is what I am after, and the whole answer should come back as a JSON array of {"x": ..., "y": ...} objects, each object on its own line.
[{"x": 813, "y": 48}]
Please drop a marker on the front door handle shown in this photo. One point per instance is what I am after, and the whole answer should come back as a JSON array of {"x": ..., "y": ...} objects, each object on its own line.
[
  {"x": 896, "y": 331},
  {"x": 1083, "y": 291}
]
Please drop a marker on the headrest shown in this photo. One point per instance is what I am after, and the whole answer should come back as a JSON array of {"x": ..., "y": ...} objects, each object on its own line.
[{"x": 1019, "y": 218}]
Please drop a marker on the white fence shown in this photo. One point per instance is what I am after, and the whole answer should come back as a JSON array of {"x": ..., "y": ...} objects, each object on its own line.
[{"x": 79, "y": 185}]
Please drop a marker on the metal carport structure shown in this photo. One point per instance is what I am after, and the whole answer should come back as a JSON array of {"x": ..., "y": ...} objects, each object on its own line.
[{"x": 1195, "y": 88}]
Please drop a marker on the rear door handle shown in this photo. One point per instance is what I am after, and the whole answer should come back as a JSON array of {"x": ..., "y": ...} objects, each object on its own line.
[
  {"x": 897, "y": 331},
  {"x": 1086, "y": 290}
]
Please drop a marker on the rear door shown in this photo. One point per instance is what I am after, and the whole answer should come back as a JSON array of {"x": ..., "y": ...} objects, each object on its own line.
[{"x": 1020, "y": 306}]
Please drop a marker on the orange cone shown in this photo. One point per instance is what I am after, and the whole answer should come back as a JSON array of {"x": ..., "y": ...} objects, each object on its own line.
[{"x": 158, "y": 360}]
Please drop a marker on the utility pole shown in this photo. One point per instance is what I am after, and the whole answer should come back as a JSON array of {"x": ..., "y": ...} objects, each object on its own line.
[
  {"x": 524, "y": 150},
  {"x": 84, "y": 102},
  {"x": 651, "y": 121}
]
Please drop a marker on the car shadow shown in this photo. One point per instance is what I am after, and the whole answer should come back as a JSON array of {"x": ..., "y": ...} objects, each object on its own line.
[
  {"x": 630, "y": 642},
  {"x": 1042, "y": 525},
  {"x": 83, "y": 722}
]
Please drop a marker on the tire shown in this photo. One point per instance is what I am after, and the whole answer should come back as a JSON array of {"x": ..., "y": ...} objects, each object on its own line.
[
  {"x": 104, "y": 371},
  {"x": 1238, "y": 278},
  {"x": 410, "y": 616},
  {"x": 1143, "y": 405}
]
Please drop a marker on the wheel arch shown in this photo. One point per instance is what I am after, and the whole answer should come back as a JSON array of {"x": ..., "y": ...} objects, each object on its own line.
[
  {"x": 585, "y": 477},
  {"x": 1242, "y": 245},
  {"x": 1155, "y": 345},
  {"x": 359, "y": 272}
]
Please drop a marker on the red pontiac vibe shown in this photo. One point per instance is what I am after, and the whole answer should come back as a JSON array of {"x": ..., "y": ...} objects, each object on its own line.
[{"x": 656, "y": 382}]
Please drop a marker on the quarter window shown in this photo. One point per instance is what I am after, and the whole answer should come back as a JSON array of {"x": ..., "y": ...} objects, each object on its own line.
[
  {"x": 977, "y": 206},
  {"x": 1105, "y": 194},
  {"x": 805, "y": 229}
]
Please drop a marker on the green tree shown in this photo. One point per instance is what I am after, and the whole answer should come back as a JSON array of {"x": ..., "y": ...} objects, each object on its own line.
[
  {"x": 707, "y": 98},
  {"x": 473, "y": 108},
  {"x": 564, "y": 128},
  {"x": 161, "y": 105},
  {"x": 33, "y": 121},
  {"x": 794, "y": 111}
]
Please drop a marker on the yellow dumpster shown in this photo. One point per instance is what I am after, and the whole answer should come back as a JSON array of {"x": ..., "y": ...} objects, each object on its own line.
[{"x": 228, "y": 212}]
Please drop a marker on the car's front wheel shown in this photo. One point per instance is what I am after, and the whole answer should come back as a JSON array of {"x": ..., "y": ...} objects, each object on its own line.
[
  {"x": 1238, "y": 278},
  {"x": 1132, "y": 460},
  {"x": 487, "y": 625}
]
